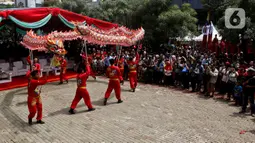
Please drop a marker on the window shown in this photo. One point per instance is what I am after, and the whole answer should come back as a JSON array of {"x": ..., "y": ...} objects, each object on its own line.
[{"x": 186, "y": 1}]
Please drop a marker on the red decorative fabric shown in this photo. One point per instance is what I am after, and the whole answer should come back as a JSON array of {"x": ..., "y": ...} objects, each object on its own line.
[
  {"x": 222, "y": 46},
  {"x": 204, "y": 42},
  {"x": 35, "y": 14},
  {"x": 210, "y": 38}
]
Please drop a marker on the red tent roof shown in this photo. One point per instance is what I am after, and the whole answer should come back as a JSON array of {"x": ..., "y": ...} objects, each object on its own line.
[{"x": 35, "y": 14}]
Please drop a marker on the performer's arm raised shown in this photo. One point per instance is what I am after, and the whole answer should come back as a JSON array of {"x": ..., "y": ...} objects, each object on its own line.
[{"x": 87, "y": 73}]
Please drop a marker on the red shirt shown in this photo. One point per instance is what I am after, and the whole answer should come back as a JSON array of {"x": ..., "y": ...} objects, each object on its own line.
[
  {"x": 29, "y": 60},
  {"x": 63, "y": 64},
  {"x": 102, "y": 56},
  {"x": 82, "y": 78},
  {"x": 168, "y": 67},
  {"x": 132, "y": 65},
  {"x": 32, "y": 87},
  {"x": 121, "y": 63},
  {"x": 37, "y": 67},
  {"x": 113, "y": 72}
]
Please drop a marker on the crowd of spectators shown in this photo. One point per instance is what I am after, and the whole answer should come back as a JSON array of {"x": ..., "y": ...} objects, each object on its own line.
[{"x": 193, "y": 69}]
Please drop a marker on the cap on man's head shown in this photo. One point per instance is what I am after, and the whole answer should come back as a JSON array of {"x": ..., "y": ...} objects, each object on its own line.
[{"x": 251, "y": 69}]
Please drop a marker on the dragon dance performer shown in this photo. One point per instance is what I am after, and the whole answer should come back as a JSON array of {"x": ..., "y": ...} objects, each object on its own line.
[
  {"x": 90, "y": 63},
  {"x": 35, "y": 66},
  {"x": 121, "y": 64},
  {"x": 81, "y": 91},
  {"x": 34, "y": 101},
  {"x": 63, "y": 65},
  {"x": 132, "y": 66},
  {"x": 113, "y": 72}
]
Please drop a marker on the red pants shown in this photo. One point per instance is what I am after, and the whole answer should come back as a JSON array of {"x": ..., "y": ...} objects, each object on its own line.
[
  {"x": 34, "y": 105},
  {"x": 132, "y": 79},
  {"x": 62, "y": 76},
  {"x": 81, "y": 92},
  {"x": 113, "y": 84}
]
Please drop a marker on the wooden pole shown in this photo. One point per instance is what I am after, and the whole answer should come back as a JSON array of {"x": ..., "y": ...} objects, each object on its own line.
[
  {"x": 119, "y": 55},
  {"x": 86, "y": 51}
]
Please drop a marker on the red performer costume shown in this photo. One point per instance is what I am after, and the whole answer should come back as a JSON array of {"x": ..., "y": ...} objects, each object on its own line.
[
  {"x": 121, "y": 65},
  {"x": 90, "y": 62},
  {"x": 62, "y": 75},
  {"x": 81, "y": 91},
  {"x": 34, "y": 101},
  {"x": 35, "y": 66},
  {"x": 132, "y": 65},
  {"x": 113, "y": 72}
]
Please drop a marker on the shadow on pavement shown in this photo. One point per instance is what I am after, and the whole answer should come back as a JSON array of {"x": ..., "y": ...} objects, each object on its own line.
[
  {"x": 100, "y": 102},
  {"x": 21, "y": 103},
  {"x": 252, "y": 131},
  {"x": 12, "y": 117},
  {"x": 236, "y": 114},
  {"x": 63, "y": 111}
]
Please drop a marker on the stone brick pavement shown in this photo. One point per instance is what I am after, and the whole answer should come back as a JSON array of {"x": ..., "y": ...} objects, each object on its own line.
[{"x": 152, "y": 114}]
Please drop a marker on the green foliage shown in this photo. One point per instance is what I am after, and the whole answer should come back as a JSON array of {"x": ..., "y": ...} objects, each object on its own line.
[
  {"x": 248, "y": 31},
  {"x": 218, "y": 7},
  {"x": 178, "y": 22},
  {"x": 7, "y": 6}
]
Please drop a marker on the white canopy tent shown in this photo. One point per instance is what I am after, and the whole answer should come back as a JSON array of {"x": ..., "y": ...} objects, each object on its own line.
[
  {"x": 200, "y": 37},
  {"x": 189, "y": 37}
]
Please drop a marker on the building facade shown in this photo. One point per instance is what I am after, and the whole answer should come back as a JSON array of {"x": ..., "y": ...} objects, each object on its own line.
[
  {"x": 28, "y": 3},
  {"x": 196, "y": 4}
]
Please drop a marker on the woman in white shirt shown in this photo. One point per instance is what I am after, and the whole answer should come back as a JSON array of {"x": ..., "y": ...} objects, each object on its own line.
[
  {"x": 213, "y": 72},
  {"x": 224, "y": 79},
  {"x": 232, "y": 79}
]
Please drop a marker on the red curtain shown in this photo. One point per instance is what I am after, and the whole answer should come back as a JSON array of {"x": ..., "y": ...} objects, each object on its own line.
[
  {"x": 222, "y": 46},
  {"x": 36, "y": 14},
  {"x": 204, "y": 43}
]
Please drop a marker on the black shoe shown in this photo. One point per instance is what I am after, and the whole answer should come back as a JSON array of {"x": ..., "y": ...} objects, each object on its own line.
[
  {"x": 40, "y": 122},
  {"x": 133, "y": 90},
  {"x": 30, "y": 121},
  {"x": 91, "y": 109},
  {"x": 105, "y": 101},
  {"x": 71, "y": 111},
  {"x": 95, "y": 78},
  {"x": 60, "y": 83},
  {"x": 66, "y": 81},
  {"x": 242, "y": 112},
  {"x": 120, "y": 101}
]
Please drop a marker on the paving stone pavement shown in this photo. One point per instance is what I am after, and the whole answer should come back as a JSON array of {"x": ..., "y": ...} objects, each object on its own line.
[{"x": 151, "y": 114}]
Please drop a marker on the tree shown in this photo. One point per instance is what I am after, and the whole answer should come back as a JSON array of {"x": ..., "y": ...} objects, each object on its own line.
[
  {"x": 112, "y": 10},
  {"x": 178, "y": 22},
  {"x": 217, "y": 7},
  {"x": 232, "y": 35}
]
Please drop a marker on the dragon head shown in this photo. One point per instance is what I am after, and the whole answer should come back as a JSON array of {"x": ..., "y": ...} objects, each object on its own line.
[{"x": 55, "y": 46}]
